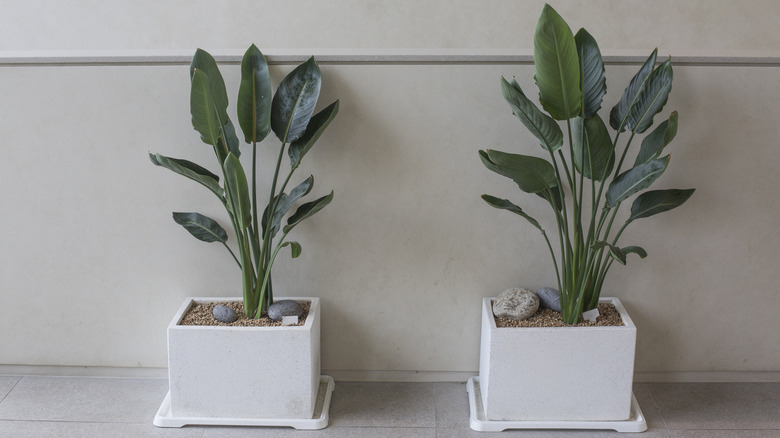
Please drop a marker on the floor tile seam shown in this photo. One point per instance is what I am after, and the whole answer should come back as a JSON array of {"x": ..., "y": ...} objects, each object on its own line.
[
  {"x": 658, "y": 408},
  {"x": 12, "y": 388},
  {"x": 51, "y": 376},
  {"x": 435, "y": 409},
  {"x": 739, "y": 429},
  {"x": 27, "y": 420},
  {"x": 336, "y": 426}
]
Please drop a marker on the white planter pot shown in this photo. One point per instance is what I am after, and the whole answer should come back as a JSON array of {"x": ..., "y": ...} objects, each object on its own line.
[
  {"x": 243, "y": 375},
  {"x": 557, "y": 374}
]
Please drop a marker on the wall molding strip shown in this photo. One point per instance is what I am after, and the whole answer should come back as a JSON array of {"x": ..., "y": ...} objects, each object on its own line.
[
  {"x": 384, "y": 376},
  {"x": 359, "y": 56}
]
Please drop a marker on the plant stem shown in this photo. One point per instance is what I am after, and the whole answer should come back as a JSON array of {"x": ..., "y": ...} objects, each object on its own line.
[{"x": 231, "y": 253}]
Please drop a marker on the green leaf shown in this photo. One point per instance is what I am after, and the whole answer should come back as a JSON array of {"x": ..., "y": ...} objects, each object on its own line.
[
  {"x": 229, "y": 131},
  {"x": 541, "y": 125},
  {"x": 594, "y": 153},
  {"x": 531, "y": 174},
  {"x": 204, "y": 114},
  {"x": 621, "y": 110},
  {"x": 278, "y": 199},
  {"x": 295, "y": 248},
  {"x": 202, "y": 227},
  {"x": 658, "y": 201},
  {"x": 205, "y": 63},
  {"x": 507, "y": 205},
  {"x": 307, "y": 210},
  {"x": 190, "y": 170},
  {"x": 594, "y": 82},
  {"x": 286, "y": 202},
  {"x": 615, "y": 252},
  {"x": 635, "y": 179},
  {"x": 553, "y": 196},
  {"x": 314, "y": 130},
  {"x": 655, "y": 142},
  {"x": 294, "y": 102},
  {"x": 557, "y": 66},
  {"x": 237, "y": 191},
  {"x": 652, "y": 98},
  {"x": 254, "y": 96},
  {"x": 634, "y": 250}
]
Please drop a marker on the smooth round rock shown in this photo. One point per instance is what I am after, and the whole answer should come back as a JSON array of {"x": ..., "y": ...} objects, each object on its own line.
[
  {"x": 224, "y": 313},
  {"x": 516, "y": 303},
  {"x": 283, "y": 308},
  {"x": 549, "y": 298}
]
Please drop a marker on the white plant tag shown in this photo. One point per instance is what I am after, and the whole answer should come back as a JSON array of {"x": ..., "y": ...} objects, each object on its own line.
[
  {"x": 289, "y": 320},
  {"x": 591, "y": 315}
]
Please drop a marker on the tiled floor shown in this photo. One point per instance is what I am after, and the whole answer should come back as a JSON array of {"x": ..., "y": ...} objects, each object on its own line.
[{"x": 40, "y": 407}]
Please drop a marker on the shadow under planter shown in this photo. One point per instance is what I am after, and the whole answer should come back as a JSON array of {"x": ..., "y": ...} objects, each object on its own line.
[
  {"x": 245, "y": 376},
  {"x": 555, "y": 377}
]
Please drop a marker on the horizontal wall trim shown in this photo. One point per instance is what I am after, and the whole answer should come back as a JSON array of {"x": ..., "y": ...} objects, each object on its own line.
[
  {"x": 385, "y": 376},
  {"x": 373, "y": 56}
]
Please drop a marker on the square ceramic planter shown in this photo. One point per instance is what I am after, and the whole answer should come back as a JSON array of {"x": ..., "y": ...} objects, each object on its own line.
[
  {"x": 245, "y": 375},
  {"x": 555, "y": 375}
]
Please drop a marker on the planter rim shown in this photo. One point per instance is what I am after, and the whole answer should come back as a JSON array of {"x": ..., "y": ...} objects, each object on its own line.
[
  {"x": 628, "y": 323},
  {"x": 190, "y": 301}
]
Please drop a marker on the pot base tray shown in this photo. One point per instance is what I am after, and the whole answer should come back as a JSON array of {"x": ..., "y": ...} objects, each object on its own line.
[
  {"x": 636, "y": 423},
  {"x": 319, "y": 420}
]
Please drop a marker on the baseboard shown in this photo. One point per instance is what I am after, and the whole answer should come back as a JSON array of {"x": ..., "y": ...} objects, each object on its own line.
[
  {"x": 385, "y": 375},
  {"x": 84, "y": 371},
  {"x": 707, "y": 376}
]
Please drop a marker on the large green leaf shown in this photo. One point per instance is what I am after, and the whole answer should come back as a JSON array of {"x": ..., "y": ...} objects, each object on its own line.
[
  {"x": 190, "y": 170},
  {"x": 237, "y": 191},
  {"x": 204, "y": 62},
  {"x": 294, "y": 101},
  {"x": 254, "y": 96},
  {"x": 202, "y": 227},
  {"x": 314, "y": 130},
  {"x": 554, "y": 196},
  {"x": 594, "y": 82},
  {"x": 557, "y": 66},
  {"x": 541, "y": 125},
  {"x": 652, "y": 98},
  {"x": 205, "y": 119},
  {"x": 229, "y": 132},
  {"x": 594, "y": 153},
  {"x": 505, "y": 204},
  {"x": 655, "y": 142},
  {"x": 307, "y": 210},
  {"x": 286, "y": 202},
  {"x": 278, "y": 199},
  {"x": 658, "y": 201},
  {"x": 635, "y": 179},
  {"x": 531, "y": 174},
  {"x": 621, "y": 110}
]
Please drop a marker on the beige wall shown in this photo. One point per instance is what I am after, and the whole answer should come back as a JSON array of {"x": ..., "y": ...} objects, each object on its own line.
[{"x": 92, "y": 267}]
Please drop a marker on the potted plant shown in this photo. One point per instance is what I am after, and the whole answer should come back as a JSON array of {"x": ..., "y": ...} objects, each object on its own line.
[
  {"x": 575, "y": 376},
  {"x": 250, "y": 375}
]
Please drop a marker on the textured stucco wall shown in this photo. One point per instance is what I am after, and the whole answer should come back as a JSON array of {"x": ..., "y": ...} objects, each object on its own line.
[{"x": 92, "y": 267}]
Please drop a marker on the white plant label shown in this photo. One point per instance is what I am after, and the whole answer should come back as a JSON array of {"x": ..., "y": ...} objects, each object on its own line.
[
  {"x": 591, "y": 315},
  {"x": 289, "y": 320}
]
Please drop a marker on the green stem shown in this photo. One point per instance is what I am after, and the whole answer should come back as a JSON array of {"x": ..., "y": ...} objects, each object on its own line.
[
  {"x": 267, "y": 276},
  {"x": 233, "y": 254}
]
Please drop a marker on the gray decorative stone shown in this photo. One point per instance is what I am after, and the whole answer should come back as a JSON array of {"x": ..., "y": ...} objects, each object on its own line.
[
  {"x": 516, "y": 303},
  {"x": 283, "y": 308},
  {"x": 224, "y": 313},
  {"x": 549, "y": 298}
]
